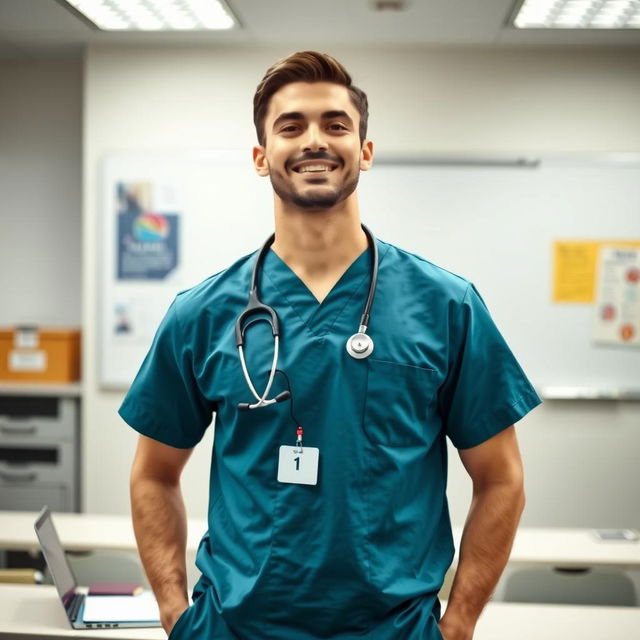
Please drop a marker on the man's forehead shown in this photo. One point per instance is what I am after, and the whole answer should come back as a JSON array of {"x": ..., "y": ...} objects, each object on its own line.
[{"x": 311, "y": 98}]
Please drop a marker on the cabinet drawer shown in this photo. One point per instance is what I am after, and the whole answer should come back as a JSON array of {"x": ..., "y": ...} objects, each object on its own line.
[
  {"x": 18, "y": 497},
  {"x": 44, "y": 462},
  {"x": 24, "y": 417}
]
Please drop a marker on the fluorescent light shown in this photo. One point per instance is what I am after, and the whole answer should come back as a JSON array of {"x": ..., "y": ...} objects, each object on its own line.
[
  {"x": 156, "y": 15},
  {"x": 578, "y": 14}
]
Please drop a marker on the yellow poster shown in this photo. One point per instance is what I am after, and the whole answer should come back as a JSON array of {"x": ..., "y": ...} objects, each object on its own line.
[{"x": 576, "y": 265}]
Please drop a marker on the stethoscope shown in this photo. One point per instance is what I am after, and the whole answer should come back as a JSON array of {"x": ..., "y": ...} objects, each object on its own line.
[{"x": 359, "y": 345}]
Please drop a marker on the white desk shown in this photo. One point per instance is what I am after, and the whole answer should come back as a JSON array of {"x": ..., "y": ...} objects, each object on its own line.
[
  {"x": 86, "y": 532},
  {"x": 571, "y": 548},
  {"x": 82, "y": 532},
  {"x": 35, "y": 612},
  {"x": 509, "y": 620}
]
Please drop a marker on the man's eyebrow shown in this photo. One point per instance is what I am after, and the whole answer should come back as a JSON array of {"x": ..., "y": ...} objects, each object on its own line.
[
  {"x": 297, "y": 115},
  {"x": 291, "y": 115},
  {"x": 330, "y": 115}
]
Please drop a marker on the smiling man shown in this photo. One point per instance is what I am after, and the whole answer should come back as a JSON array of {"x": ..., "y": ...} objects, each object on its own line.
[
  {"x": 312, "y": 178},
  {"x": 328, "y": 515}
]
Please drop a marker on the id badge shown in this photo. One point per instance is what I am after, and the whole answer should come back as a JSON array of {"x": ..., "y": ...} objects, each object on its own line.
[{"x": 298, "y": 465}]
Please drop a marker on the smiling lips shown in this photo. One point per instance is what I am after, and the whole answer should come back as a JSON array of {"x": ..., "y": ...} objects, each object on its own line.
[{"x": 315, "y": 167}]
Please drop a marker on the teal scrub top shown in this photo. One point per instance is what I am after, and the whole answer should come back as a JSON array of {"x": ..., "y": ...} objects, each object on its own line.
[{"x": 363, "y": 553}]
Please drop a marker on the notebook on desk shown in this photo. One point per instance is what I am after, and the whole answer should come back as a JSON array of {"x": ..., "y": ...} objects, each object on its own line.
[{"x": 83, "y": 610}]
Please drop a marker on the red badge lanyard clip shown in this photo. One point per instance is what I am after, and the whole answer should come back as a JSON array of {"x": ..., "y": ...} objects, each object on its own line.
[{"x": 299, "y": 432}]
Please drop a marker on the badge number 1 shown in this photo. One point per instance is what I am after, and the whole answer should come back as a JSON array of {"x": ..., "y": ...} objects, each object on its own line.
[{"x": 298, "y": 467}]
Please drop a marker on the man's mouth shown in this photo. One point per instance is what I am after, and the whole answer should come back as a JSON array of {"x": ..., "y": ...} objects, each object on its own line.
[{"x": 314, "y": 167}]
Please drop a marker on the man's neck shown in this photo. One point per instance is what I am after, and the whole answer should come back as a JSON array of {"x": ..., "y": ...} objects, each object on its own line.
[{"x": 316, "y": 243}]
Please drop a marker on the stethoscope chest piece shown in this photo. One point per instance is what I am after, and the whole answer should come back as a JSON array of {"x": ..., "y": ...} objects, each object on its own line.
[{"x": 359, "y": 346}]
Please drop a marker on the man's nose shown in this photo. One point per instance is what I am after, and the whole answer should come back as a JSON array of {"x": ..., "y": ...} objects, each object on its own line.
[{"x": 314, "y": 139}]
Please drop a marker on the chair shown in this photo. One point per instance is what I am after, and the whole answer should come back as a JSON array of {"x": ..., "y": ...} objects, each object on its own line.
[{"x": 607, "y": 587}]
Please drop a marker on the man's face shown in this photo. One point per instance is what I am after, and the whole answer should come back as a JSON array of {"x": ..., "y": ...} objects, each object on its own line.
[{"x": 312, "y": 151}]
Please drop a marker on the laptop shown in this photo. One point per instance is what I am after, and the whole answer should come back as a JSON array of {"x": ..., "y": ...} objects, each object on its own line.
[{"x": 86, "y": 611}]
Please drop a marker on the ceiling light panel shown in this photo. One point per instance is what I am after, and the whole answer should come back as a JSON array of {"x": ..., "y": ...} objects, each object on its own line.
[
  {"x": 156, "y": 15},
  {"x": 578, "y": 14}
]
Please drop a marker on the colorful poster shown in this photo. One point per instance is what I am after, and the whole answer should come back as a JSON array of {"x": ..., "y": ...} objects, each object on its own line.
[
  {"x": 617, "y": 309},
  {"x": 147, "y": 239},
  {"x": 575, "y": 268},
  {"x": 142, "y": 261}
]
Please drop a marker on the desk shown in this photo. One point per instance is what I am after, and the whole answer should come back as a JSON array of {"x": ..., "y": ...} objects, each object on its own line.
[
  {"x": 30, "y": 611},
  {"x": 34, "y": 612},
  {"x": 569, "y": 548},
  {"x": 82, "y": 531},
  {"x": 87, "y": 532},
  {"x": 509, "y": 620}
]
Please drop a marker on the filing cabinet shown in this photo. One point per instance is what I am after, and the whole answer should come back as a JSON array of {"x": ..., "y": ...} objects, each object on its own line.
[{"x": 39, "y": 450}]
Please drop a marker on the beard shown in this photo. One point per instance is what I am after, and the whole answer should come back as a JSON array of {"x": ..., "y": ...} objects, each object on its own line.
[{"x": 312, "y": 198}]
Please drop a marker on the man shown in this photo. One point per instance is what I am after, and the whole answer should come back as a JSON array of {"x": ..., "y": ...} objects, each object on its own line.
[{"x": 361, "y": 550}]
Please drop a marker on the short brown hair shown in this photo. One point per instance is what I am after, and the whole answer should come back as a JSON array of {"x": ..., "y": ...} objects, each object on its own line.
[{"x": 305, "y": 66}]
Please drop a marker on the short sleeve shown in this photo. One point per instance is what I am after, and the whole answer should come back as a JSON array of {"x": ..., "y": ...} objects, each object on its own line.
[
  {"x": 164, "y": 401},
  {"x": 485, "y": 390}
]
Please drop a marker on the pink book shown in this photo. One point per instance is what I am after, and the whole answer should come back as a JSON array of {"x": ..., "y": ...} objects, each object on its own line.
[{"x": 115, "y": 589}]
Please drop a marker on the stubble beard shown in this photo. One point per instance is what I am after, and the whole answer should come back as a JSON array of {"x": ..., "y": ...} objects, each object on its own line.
[{"x": 312, "y": 200}]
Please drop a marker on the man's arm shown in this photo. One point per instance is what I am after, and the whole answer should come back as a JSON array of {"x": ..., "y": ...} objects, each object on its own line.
[
  {"x": 160, "y": 523},
  {"x": 498, "y": 500}
]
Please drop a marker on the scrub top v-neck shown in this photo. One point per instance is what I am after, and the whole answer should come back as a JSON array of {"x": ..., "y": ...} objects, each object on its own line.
[
  {"x": 317, "y": 316},
  {"x": 363, "y": 553}
]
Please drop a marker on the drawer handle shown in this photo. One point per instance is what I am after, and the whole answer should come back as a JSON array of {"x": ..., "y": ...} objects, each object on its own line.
[
  {"x": 18, "y": 477},
  {"x": 18, "y": 431}
]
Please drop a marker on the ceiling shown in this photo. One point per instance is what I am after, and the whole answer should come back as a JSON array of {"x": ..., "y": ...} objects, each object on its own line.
[{"x": 47, "y": 28}]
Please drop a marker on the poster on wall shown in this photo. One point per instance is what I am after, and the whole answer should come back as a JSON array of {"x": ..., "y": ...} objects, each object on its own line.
[
  {"x": 168, "y": 221},
  {"x": 574, "y": 271},
  {"x": 147, "y": 236},
  {"x": 617, "y": 308},
  {"x": 575, "y": 268},
  {"x": 142, "y": 269}
]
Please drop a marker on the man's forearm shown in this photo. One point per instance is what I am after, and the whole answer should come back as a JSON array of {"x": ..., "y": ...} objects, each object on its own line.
[
  {"x": 160, "y": 525},
  {"x": 484, "y": 551}
]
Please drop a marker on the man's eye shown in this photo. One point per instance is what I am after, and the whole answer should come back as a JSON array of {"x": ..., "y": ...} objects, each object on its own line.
[
  {"x": 336, "y": 126},
  {"x": 289, "y": 128}
]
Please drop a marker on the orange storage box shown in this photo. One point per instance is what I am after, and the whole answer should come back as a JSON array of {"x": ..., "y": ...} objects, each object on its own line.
[{"x": 35, "y": 354}]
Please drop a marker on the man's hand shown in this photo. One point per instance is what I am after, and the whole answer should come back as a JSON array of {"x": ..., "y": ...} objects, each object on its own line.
[
  {"x": 160, "y": 523},
  {"x": 498, "y": 499},
  {"x": 169, "y": 615},
  {"x": 455, "y": 631}
]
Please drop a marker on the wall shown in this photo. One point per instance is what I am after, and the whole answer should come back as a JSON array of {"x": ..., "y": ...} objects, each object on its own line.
[
  {"x": 578, "y": 456},
  {"x": 40, "y": 187}
]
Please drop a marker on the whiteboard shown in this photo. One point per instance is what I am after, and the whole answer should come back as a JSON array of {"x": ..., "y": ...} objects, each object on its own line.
[
  {"x": 496, "y": 226},
  {"x": 492, "y": 224}
]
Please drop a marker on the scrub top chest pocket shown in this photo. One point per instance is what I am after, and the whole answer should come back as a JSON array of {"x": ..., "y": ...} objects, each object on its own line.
[{"x": 401, "y": 404}]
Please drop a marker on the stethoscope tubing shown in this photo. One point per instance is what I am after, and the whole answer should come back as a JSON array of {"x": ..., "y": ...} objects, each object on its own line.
[
  {"x": 256, "y": 307},
  {"x": 262, "y": 401}
]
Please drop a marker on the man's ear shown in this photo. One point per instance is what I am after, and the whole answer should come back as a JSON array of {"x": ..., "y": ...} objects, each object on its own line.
[
  {"x": 260, "y": 161},
  {"x": 366, "y": 155}
]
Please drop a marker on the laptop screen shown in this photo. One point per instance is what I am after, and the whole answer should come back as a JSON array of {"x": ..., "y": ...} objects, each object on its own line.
[{"x": 54, "y": 554}]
